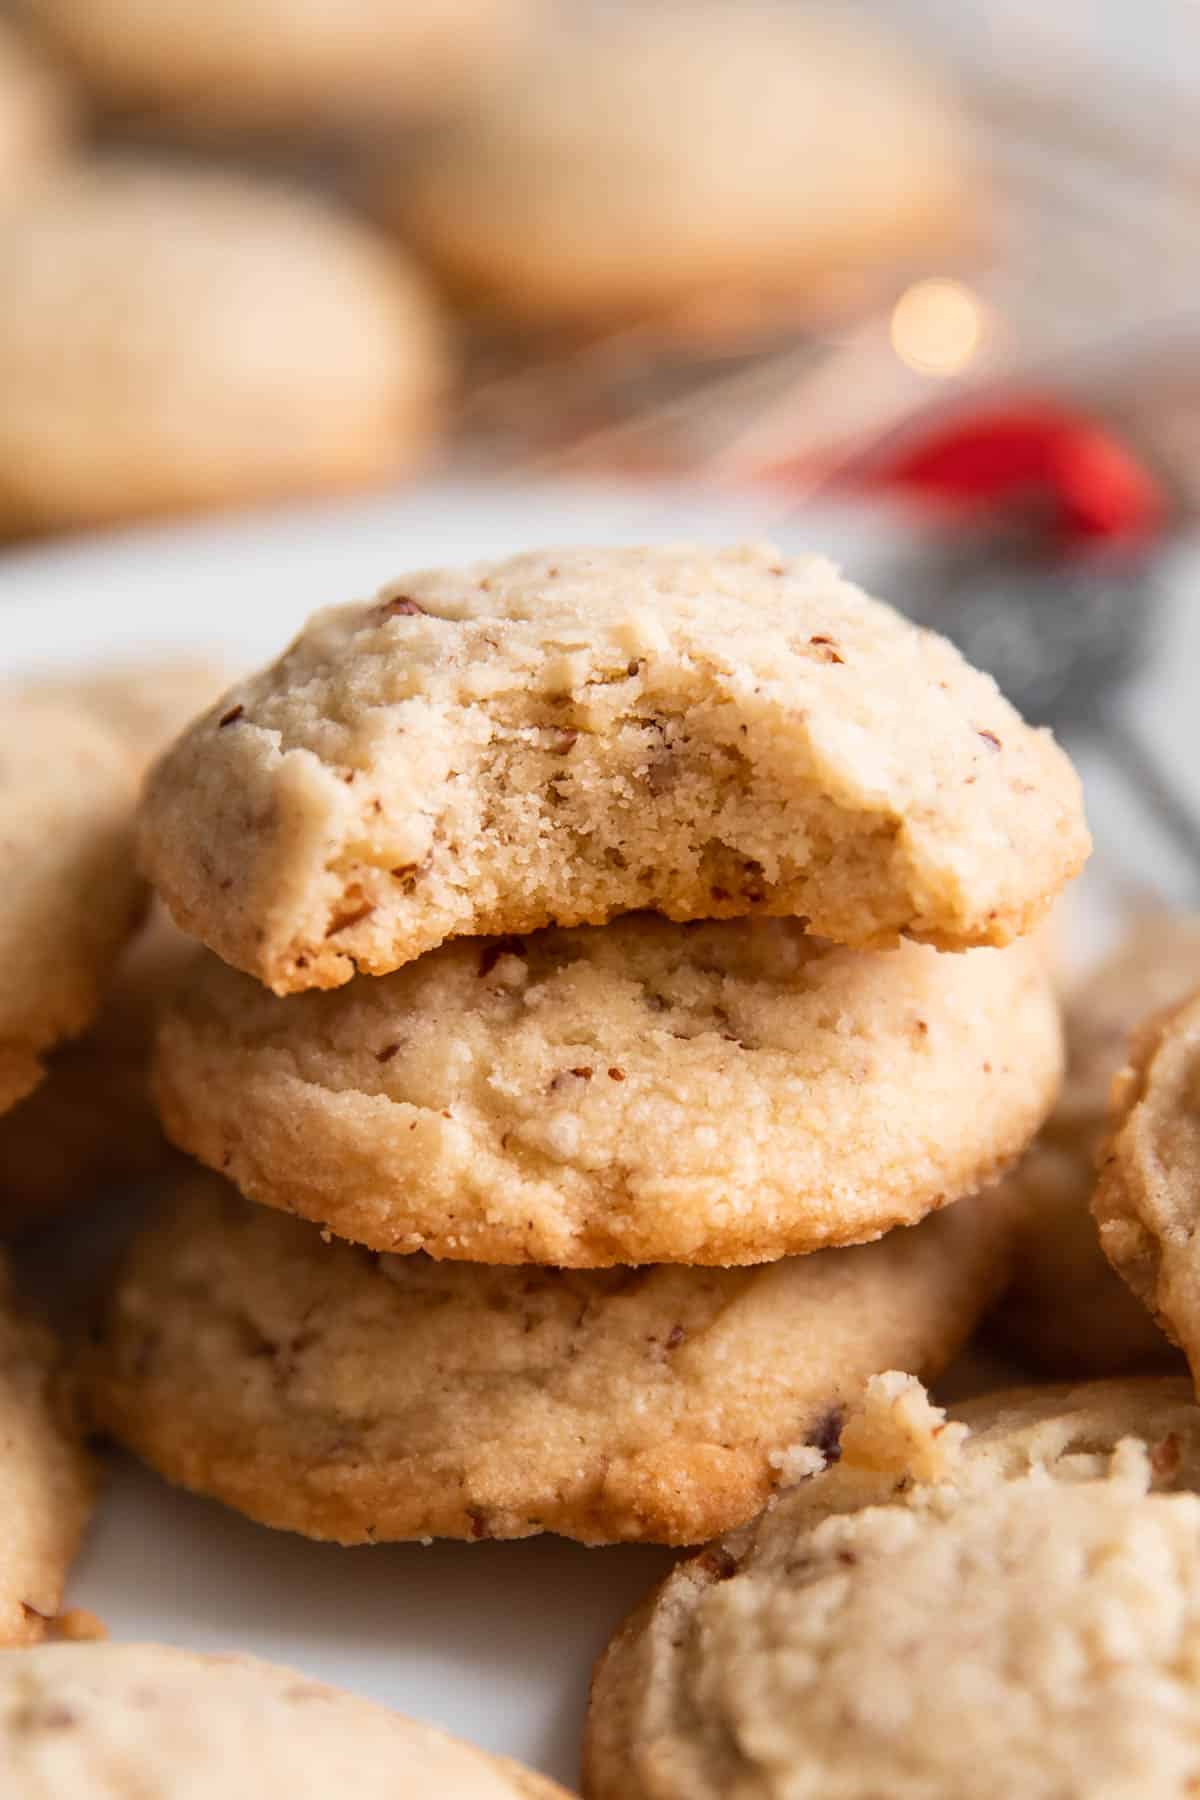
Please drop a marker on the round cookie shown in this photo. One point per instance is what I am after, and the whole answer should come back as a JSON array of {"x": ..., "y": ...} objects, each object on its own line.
[
  {"x": 701, "y": 163},
  {"x": 564, "y": 736},
  {"x": 322, "y": 1389},
  {"x": 939, "y": 1616},
  {"x": 173, "y": 339},
  {"x": 71, "y": 894},
  {"x": 1148, "y": 1196},
  {"x": 35, "y": 114},
  {"x": 1066, "y": 1308},
  {"x": 107, "y": 1721},
  {"x": 637, "y": 1092},
  {"x": 296, "y": 64},
  {"x": 47, "y": 1481}
]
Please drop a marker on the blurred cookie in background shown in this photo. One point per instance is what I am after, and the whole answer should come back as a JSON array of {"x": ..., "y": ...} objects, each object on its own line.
[
  {"x": 1068, "y": 1311},
  {"x": 172, "y": 340},
  {"x": 47, "y": 1478},
  {"x": 707, "y": 163},
  {"x": 218, "y": 65},
  {"x": 70, "y": 897},
  {"x": 144, "y": 703},
  {"x": 90, "y": 1125},
  {"x": 36, "y": 112}
]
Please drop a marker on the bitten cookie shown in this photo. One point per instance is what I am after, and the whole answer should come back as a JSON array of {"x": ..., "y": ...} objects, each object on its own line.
[
  {"x": 110, "y": 1721},
  {"x": 325, "y": 1390},
  {"x": 566, "y": 736},
  {"x": 940, "y": 1616},
  {"x": 71, "y": 896},
  {"x": 299, "y": 64},
  {"x": 1147, "y": 1200},
  {"x": 635, "y": 1092},
  {"x": 1066, "y": 1307},
  {"x": 35, "y": 114},
  {"x": 47, "y": 1481},
  {"x": 706, "y": 163},
  {"x": 172, "y": 339}
]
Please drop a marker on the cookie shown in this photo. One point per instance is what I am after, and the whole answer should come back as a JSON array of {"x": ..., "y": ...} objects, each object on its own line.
[
  {"x": 107, "y": 1721},
  {"x": 36, "y": 114},
  {"x": 90, "y": 1127},
  {"x": 307, "y": 64},
  {"x": 566, "y": 736},
  {"x": 71, "y": 895},
  {"x": 1067, "y": 1309},
  {"x": 634, "y": 1092},
  {"x": 173, "y": 339},
  {"x": 720, "y": 164},
  {"x": 47, "y": 1481},
  {"x": 1147, "y": 1198},
  {"x": 322, "y": 1389},
  {"x": 144, "y": 703},
  {"x": 939, "y": 1616}
]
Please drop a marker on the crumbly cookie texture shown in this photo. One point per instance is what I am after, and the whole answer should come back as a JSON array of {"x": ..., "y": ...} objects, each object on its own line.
[
  {"x": 71, "y": 893},
  {"x": 1147, "y": 1199},
  {"x": 686, "y": 164},
  {"x": 322, "y": 1389},
  {"x": 306, "y": 64},
  {"x": 173, "y": 339},
  {"x": 565, "y": 736},
  {"x": 1066, "y": 1308},
  {"x": 110, "y": 1721},
  {"x": 1006, "y": 1604},
  {"x": 634, "y": 1092},
  {"x": 47, "y": 1481}
]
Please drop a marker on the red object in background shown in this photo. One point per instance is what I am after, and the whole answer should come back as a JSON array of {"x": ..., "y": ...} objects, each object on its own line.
[{"x": 1090, "y": 486}]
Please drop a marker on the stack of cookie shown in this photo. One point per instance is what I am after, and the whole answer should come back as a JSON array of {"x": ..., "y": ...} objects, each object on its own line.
[{"x": 579, "y": 926}]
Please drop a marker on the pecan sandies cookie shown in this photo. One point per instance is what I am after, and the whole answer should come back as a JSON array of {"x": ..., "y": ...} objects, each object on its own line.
[
  {"x": 1147, "y": 1199},
  {"x": 724, "y": 1092},
  {"x": 322, "y": 1389},
  {"x": 107, "y": 1721},
  {"x": 567, "y": 736},
  {"x": 1004, "y": 1604}
]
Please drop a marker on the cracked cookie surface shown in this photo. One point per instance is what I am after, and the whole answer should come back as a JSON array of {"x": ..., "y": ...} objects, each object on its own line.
[
  {"x": 635, "y": 1092},
  {"x": 47, "y": 1481},
  {"x": 71, "y": 894},
  {"x": 322, "y": 1389},
  {"x": 1005, "y": 1604},
  {"x": 111, "y": 1721},
  {"x": 569, "y": 735}
]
